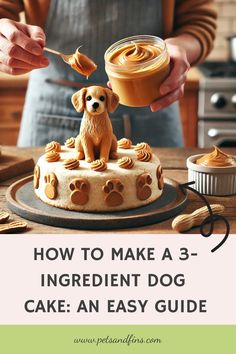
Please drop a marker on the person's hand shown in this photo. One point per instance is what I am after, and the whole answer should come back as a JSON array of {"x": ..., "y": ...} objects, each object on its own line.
[
  {"x": 172, "y": 88},
  {"x": 21, "y": 47}
]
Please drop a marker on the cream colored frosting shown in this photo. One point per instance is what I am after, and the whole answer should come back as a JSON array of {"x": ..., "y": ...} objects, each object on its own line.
[
  {"x": 71, "y": 164},
  {"x": 52, "y": 156},
  {"x": 216, "y": 158},
  {"x": 142, "y": 146},
  {"x": 144, "y": 155},
  {"x": 53, "y": 146},
  {"x": 124, "y": 143},
  {"x": 125, "y": 162},
  {"x": 98, "y": 165},
  {"x": 70, "y": 143}
]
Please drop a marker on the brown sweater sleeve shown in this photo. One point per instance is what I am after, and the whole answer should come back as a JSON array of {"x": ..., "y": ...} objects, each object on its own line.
[
  {"x": 11, "y": 9},
  {"x": 198, "y": 18}
]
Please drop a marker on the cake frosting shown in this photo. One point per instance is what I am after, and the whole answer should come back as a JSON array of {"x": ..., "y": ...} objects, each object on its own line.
[{"x": 125, "y": 183}]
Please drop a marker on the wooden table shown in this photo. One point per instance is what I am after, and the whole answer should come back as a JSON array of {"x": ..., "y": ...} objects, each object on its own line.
[{"x": 174, "y": 164}]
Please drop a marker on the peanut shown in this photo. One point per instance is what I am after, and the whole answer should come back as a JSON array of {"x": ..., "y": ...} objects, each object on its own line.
[
  {"x": 14, "y": 226},
  {"x": 4, "y": 216},
  {"x": 187, "y": 221}
]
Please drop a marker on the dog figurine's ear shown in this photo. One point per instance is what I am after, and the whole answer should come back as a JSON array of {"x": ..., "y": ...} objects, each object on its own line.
[
  {"x": 78, "y": 99},
  {"x": 112, "y": 100}
]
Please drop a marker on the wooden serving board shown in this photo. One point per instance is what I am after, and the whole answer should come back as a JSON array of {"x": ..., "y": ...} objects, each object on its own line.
[
  {"x": 23, "y": 201},
  {"x": 13, "y": 165}
]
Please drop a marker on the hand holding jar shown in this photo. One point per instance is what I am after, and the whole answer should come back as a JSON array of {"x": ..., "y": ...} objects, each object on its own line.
[
  {"x": 136, "y": 67},
  {"x": 172, "y": 89},
  {"x": 147, "y": 71}
]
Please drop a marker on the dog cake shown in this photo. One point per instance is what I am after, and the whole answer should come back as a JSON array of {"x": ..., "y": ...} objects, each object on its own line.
[{"x": 94, "y": 172}]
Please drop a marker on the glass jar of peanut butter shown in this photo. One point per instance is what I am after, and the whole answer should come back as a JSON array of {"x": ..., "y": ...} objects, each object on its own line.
[{"x": 136, "y": 67}]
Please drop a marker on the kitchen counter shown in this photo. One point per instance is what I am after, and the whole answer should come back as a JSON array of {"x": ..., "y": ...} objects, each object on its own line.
[
  {"x": 9, "y": 81},
  {"x": 173, "y": 161},
  {"x": 193, "y": 78}
]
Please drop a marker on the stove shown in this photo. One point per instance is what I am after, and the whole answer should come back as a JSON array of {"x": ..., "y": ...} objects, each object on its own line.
[
  {"x": 219, "y": 69},
  {"x": 217, "y": 104}
]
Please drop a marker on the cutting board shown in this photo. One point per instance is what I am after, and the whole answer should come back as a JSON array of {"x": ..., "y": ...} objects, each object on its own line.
[{"x": 13, "y": 165}]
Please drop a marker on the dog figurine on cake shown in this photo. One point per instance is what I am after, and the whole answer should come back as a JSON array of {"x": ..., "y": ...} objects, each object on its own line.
[{"x": 96, "y": 139}]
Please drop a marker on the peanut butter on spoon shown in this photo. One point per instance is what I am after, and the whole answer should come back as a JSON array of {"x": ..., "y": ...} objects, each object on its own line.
[
  {"x": 77, "y": 61},
  {"x": 216, "y": 158},
  {"x": 82, "y": 64}
]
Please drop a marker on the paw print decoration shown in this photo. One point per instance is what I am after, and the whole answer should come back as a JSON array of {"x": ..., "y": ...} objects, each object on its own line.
[
  {"x": 160, "y": 179},
  {"x": 51, "y": 185},
  {"x": 113, "y": 190},
  {"x": 36, "y": 176},
  {"x": 80, "y": 191},
  {"x": 143, "y": 186}
]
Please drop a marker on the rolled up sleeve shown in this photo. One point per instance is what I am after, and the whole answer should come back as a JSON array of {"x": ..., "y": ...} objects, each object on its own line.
[
  {"x": 198, "y": 18},
  {"x": 11, "y": 9}
]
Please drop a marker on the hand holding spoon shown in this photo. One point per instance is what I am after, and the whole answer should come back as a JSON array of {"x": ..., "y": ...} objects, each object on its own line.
[
  {"x": 65, "y": 57},
  {"x": 78, "y": 61}
]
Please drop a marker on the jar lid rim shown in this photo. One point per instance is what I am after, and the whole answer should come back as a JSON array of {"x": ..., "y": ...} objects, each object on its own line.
[{"x": 137, "y": 39}]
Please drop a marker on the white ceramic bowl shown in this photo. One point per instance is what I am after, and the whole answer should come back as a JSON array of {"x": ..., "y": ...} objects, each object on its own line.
[{"x": 219, "y": 181}]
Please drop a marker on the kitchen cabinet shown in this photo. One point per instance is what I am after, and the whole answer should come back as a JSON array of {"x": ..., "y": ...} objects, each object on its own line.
[
  {"x": 189, "y": 108},
  {"x": 12, "y": 94}
]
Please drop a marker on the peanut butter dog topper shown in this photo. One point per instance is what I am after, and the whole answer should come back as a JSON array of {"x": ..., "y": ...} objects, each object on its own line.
[{"x": 96, "y": 139}]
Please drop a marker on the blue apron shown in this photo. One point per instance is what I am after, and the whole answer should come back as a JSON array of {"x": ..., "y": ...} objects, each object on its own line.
[{"x": 95, "y": 24}]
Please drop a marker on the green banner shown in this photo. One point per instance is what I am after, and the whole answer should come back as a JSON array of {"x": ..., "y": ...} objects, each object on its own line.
[{"x": 163, "y": 339}]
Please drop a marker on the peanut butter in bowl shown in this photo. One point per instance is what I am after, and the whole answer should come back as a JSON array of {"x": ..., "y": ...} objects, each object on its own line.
[
  {"x": 136, "y": 67},
  {"x": 214, "y": 173},
  {"x": 216, "y": 158}
]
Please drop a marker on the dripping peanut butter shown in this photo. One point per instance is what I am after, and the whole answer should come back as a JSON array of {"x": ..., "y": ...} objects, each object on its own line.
[
  {"x": 136, "y": 67},
  {"x": 82, "y": 64}
]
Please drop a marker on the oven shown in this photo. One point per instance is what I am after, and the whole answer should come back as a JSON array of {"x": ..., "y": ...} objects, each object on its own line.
[{"x": 217, "y": 105}]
